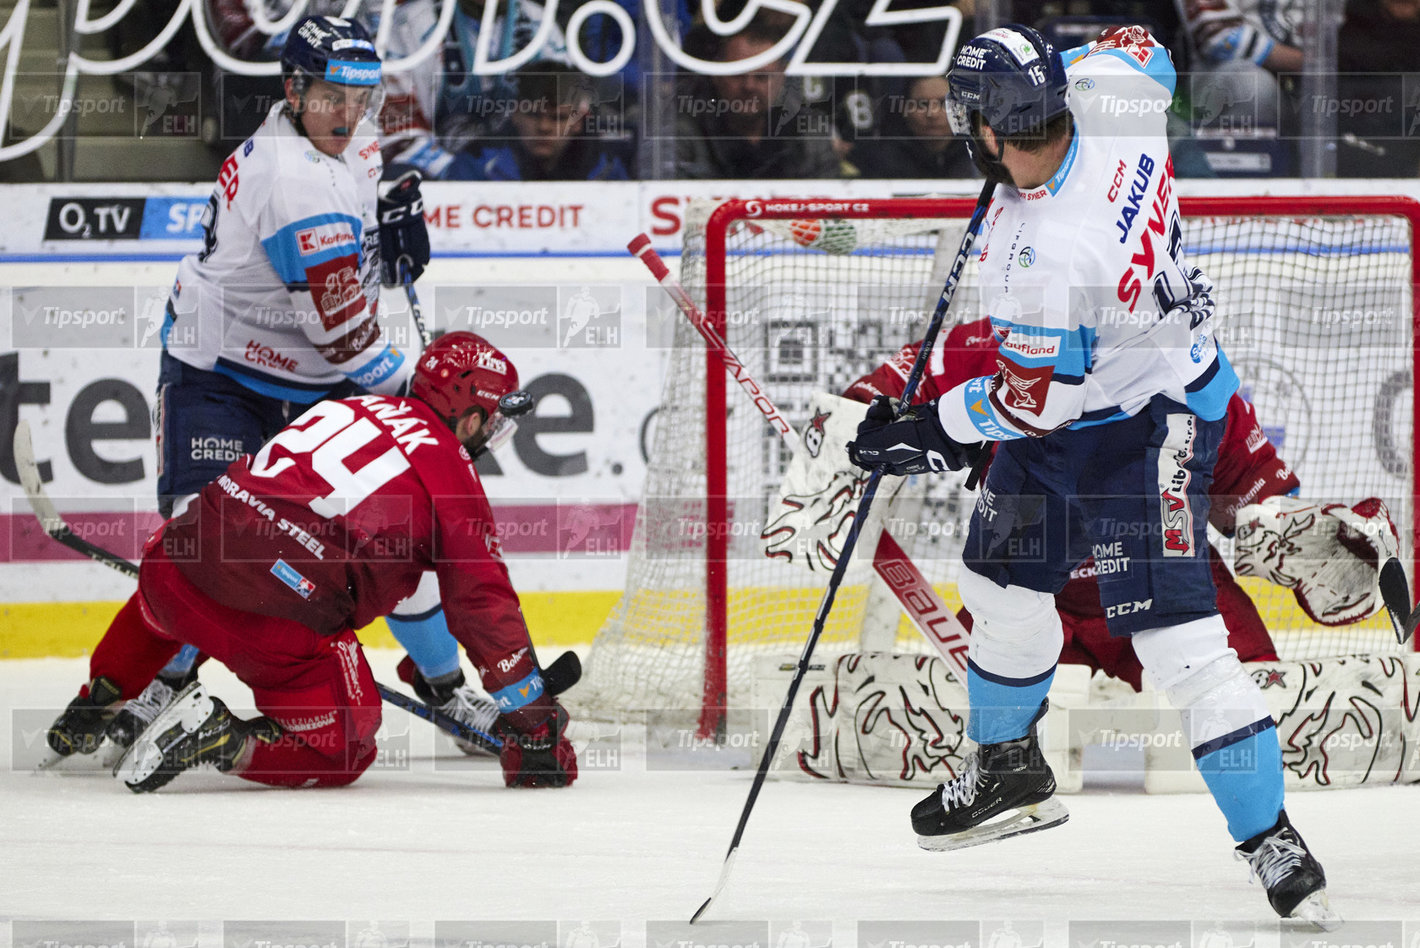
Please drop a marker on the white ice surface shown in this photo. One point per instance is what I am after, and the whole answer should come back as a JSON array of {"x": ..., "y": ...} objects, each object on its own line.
[{"x": 435, "y": 839}]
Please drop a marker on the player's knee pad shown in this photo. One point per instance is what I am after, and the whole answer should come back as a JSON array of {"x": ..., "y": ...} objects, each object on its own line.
[
  {"x": 1202, "y": 677},
  {"x": 1174, "y": 653},
  {"x": 1017, "y": 631}
]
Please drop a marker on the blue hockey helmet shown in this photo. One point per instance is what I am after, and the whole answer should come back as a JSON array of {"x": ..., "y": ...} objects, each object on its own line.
[
  {"x": 1012, "y": 76},
  {"x": 330, "y": 48}
]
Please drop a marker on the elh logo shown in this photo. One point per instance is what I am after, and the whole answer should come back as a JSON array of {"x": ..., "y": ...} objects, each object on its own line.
[{"x": 589, "y": 317}]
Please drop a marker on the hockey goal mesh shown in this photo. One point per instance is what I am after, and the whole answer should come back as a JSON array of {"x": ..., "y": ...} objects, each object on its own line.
[{"x": 1317, "y": 303}]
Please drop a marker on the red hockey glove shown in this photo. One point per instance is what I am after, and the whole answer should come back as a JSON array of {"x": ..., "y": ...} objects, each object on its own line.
[{"x": 540, "y": 757}]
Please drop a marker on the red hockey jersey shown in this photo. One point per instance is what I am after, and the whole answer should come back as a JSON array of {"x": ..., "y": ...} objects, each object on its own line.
[{"x": 334, "y": 521}]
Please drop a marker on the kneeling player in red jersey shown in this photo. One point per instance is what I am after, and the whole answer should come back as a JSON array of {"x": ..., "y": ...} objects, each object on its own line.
[
  {"x": 281, "y": 558},
  {"x": 1248, "y": 471}
]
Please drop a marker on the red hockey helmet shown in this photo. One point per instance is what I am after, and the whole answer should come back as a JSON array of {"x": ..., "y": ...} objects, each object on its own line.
[{"x": 461, "y": 371}]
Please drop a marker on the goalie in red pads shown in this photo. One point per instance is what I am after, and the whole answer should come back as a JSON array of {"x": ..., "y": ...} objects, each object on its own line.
[{"x": 281, "y": 558}]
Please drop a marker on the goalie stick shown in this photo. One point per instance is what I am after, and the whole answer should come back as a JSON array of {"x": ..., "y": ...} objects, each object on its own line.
[
  {"x": 933, "y": 618},
  {"x": 869, "y": 492},
  {"x": 563, "y": 673}
]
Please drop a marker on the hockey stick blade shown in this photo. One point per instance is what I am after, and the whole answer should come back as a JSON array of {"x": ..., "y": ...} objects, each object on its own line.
[
  {"x": 719, "y": 886},
  {"x": 1395, "y": 590}
]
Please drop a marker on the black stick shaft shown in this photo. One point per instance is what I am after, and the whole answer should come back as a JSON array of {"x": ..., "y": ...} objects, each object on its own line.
[{"x": 836, "y": 578}]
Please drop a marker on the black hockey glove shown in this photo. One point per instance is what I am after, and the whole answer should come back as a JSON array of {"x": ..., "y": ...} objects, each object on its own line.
[
  {"x": 914, "y": 444},
  {"x": 403, "y": 235}
]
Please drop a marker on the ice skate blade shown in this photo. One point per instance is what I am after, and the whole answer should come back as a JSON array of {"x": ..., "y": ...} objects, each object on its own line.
[
  {"x": 1027, "y": 819},
  {"x": 189, "y": 708},
  {"x": 1316, "y": 910}
]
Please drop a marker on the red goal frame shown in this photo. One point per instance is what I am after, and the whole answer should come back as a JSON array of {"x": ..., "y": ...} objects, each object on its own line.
[{"x": 716, "y": 447}]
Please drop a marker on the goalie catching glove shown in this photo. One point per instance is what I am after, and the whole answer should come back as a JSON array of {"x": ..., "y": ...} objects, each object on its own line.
[
  {"x": 1328, "y": 555},
  {"x": 404, "y": 237},
  {"x": 915, "y": 443}
]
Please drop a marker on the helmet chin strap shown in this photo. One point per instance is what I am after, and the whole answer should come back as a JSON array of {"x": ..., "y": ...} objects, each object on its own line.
[{"x": 988, "y": 164}]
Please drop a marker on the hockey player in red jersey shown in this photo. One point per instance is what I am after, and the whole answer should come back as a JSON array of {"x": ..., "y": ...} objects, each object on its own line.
[
  {"x": 1248, "y": 471},
  {"x": 282, "y": 557}
]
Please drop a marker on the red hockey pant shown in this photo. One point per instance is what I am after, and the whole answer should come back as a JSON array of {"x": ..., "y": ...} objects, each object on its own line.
[{"x": 318, "y": 687}]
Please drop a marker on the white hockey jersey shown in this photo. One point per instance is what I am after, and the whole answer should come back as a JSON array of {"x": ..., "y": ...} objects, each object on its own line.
[
  {"x": 1084, "y": 278},
  {"x": 284, "y": 293}
]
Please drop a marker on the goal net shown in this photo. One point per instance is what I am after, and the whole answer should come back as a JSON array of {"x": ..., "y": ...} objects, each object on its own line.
[{"x": 1316, "y": 298}]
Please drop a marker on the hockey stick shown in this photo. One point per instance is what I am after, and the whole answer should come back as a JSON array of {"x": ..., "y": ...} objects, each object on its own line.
[
  {"x": 562, "y": 674},
  {"x": 415, "y": 310},
  {"x": 937, "y": 623},
  {"x": 1395, "y": 590},
  {"x": 869, "y": 493}
]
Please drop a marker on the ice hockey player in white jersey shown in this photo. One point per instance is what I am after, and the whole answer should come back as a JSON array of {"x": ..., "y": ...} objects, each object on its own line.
[
  {"x": 1109, "y": 401},
  {"x": 279, "y": 310}
]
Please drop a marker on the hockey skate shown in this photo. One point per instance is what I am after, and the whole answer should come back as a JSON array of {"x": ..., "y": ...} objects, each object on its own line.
[
  {"x": 139, "y": 712},
  {"x": 1294, "y": 880},
  {"x": 458, "y": 700},
  {"x": 80, "y": 729},
  {"x": 194, "y": 729},
  {"x": 1004, "y": 790}
]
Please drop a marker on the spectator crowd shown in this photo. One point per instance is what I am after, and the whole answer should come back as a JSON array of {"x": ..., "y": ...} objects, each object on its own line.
[{"x": 1240, "y": 108}]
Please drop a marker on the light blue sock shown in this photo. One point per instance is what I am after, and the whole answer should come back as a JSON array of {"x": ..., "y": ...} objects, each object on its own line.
[
  {"x": 1002, "y": 708},
  {"x": 181, "y": 663},
  {"x": 1243, "y": 771},
  {"x": 427, "y": 639}
]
